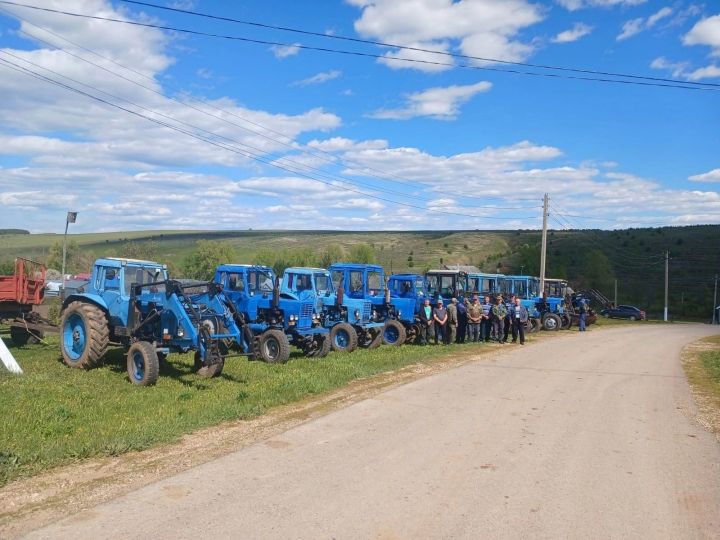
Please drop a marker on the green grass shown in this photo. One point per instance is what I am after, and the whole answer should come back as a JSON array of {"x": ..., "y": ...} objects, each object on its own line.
[
  {"x": 710, "y": 361},
  {"x": 53, "y": 415},
  {"x": 702, "y": 367}
]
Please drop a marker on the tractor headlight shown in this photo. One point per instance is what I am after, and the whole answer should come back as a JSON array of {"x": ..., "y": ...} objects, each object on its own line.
[
  {"x": 292, "y": 318},
  {"x": 357, "y": 313},
  {"x": 180, "y": 331},
  {"x": 399, "y": 314},
  {"x": 374, "y": 314}
]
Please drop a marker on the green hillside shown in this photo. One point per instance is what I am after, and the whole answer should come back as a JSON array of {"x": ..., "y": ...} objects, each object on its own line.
[{"x": 588, "y": 258}]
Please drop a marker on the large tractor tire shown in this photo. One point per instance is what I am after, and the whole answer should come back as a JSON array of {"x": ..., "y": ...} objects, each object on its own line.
[
  {"x": 274, "y": 347},
  {"x": 209, "y": 369},
  {"x": 371, "y": 339},
  {"x": 394, "y": 333},
  {"x": 343, "y": 338},
  {"x": 143, "y": 365},
  {"x": 325, "y": 347},
  {"x": 534, "y": 325},
  {"x": 567, "y": 321},
  {"x": 21, "y": 336},
  {"x": 551, "y": 322},
  {"x": 84, "y": 335}
]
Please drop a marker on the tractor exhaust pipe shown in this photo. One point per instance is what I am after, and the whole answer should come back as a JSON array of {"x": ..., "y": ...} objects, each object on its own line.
[
  {"x": 387, "y": 291},
  {"x": 276, "y": 293},
  {"x": 340, "y": 292}
]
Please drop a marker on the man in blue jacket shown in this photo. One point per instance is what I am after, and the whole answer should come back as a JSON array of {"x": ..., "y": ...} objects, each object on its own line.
[{"x": 518, "y": 318}]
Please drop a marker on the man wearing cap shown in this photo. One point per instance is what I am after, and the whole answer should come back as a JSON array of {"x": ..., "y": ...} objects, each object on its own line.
[
  {"x": 475, "y": 317},
  {"x": 499, "y": 311},
  {"x": 452, "y": 322},
  {"x": 486, "y": 320},
  {"x": 439, "y": 321}
]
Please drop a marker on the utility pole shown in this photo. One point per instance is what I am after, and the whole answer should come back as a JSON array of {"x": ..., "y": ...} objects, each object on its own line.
[
  {"x": 615, "y": 303},
  {"x": 714, "y": 319},
  {"x": 544, "y": 244},
  {"x": 71, "y": 217},
  {"x": 667, "y": 264}
]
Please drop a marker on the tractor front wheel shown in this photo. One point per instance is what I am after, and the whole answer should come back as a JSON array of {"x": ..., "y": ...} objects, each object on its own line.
[
  {"x": 343, "y": 338},
  {"x": 394, "y": 333},
  {"x": 551, "y": 322},
  {"x": 84, "y": 336},
  {"x": 371, "y": 339},
  {"x": 324, "y": 348},
  {"x": 143, "y": 365},
  {"x": 534, "y": 325},
  {"x": 566, "y": 321},
  {"x": 21, "y": 336},
  {"x": 209, "y": 369},
  {"x": 274, "y": 347}
]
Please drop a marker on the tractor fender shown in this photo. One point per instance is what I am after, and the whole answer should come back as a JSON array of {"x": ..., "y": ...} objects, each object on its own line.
[{"x": 89, "y": 298}]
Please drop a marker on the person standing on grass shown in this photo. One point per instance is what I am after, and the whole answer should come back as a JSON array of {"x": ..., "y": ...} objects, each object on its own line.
[
  {"x": 518, "y": 317},
  {"x": 426, "y": 322},
  {"x": 452, "y": 322},
  {"x": 439, "y": 321},
  {"x": 474, "y": 316},
  {"x": 462, "y": 321},
  {"x": 582, "y": 308},
  {"x": 499, "y": 312},
  {"x": 486, "y": 320},
  {"x": 507, "y": 324}
]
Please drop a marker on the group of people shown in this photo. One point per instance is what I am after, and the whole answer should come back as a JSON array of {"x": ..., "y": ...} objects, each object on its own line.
[{"x": 471, "y": 321}]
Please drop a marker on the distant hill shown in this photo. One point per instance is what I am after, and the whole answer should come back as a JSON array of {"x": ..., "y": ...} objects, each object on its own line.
[
  {"x": 587, "y": 258},
  {"x": 13, "y": 231}
]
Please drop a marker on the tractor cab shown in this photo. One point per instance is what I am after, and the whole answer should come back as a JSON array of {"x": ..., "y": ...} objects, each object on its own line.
[
  {"x": 407, "y": 293},
  {"x": 482, "y": 284},
  {"x": 446, "y": 284},
  {"x": 363, "y": 287}
]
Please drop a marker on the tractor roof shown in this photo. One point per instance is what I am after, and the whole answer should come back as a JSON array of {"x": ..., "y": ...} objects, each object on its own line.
[
  {"x": 124, "y": 261},
  {"x": 234, "y": 266},
  {"x": 445, "y": 271},
  {"x": 301, "y": 269},
  {"x": 356, "y": 266},
  {"x": 406, "y": 276}
]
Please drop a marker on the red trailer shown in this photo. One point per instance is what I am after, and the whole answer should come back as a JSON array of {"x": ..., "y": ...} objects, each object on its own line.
[{"x": 20, "y": 294}]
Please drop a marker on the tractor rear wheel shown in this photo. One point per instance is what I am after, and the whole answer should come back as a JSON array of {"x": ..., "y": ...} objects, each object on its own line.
[
  {"x": 143, "y": 365},
  {"x": 551, "y": 322},
  {"x": 534, "y": 325},
  {"x": 394, "y": 333},
  {"x": 84, "y": 335},
  {"x": 343, "y": 338},
  {"x": 566, "y": 321},
  {"x": 21, "y": 336},
  {"x": 210, "y": 369},
  {"x": 274, "y": 347}
]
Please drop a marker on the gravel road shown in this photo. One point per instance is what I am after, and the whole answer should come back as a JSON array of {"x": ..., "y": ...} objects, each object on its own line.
[{"x": 584, "y": 436}]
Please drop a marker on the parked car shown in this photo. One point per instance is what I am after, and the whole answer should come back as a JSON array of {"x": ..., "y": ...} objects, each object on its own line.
[{"x": 624, "y": 312}]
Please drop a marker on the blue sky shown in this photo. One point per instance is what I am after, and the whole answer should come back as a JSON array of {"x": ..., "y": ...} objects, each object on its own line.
[{"x": 301, "y": 139}]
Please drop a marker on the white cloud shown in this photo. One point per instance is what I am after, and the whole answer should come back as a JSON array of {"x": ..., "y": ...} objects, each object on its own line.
[
  {"x": 341, "y": 144},
  {"x": 708, "y": 72},
  {"x": 573, "y": 5},
  {"x": 635, "y": 26},
  {"x": 710, "y": 176},
  {"x": 441, "y": 103},
  {"x": 319, "y": 78},
  {"x": 705, "y": 32},
  {"x": 483, "y": 28},
  {"x": 578, "y": 31},
  {"x": 284, "y": 51},
  {"x": 682, "y": 69}
]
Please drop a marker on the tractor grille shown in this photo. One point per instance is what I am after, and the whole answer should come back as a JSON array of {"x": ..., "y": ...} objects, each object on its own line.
[
  {"x": 306, "y": 312},
  {"x": 367, "y": 311}
]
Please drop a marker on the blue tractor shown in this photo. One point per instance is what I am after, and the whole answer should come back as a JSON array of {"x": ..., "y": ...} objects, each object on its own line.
[
  {"x": 407, "y": 295},
  {"x": 133, "y": 304},
  {"x": 340, "y": 296},
  {"x": 275, "y": 320},
  {"x": 556, "y": 300},
  {"x": 527, "y": 288}
]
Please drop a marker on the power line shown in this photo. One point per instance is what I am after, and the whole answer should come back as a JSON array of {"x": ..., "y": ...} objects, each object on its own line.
[
  {"x": 326, "y": 156},
  {"x": 682, "y": 86},
  {"x": 245, "y": 153},
  {"x": 415, "y": 49}
]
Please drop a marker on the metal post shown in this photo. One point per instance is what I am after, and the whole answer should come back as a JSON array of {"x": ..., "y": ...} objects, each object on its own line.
[
  {"x": 615, "y": 303},
  {"x": 714, "y": 319},
  {"x": 67, "y": 223},
  {"x": 667, "y": 264},
  {"x": 71, "y": 217},
  {"x": 544, "y": 244}
]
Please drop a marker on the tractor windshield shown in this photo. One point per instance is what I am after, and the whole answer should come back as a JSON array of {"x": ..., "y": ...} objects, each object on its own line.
[
  {"x": 419, "y": 286},
  {"x": 323, "y": 284},
  {"x": 375, "y": 284},
  {"x": 299, "y": 282},
  {"x": 432, "y": 285},
  {"x": 474, "y": 284},
  {"x": 141, "y": 276},
  {"x": 337, "y": 277},
  {"x": 356, "y": 283},
  {"x": 260, "y": 281},
  {"x": 521, "y": 289},
  {"x": 235, "y": 281}
]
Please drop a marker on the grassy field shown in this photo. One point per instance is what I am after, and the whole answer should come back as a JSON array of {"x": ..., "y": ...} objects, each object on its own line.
[
  {"x": 54, "y": 415},
  {"x": 702, "y": 366}
]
